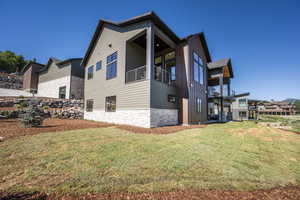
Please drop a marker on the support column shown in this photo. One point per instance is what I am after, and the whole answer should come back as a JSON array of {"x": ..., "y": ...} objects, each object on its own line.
[
  {"x": 221, "y": 94},
  {"x": 150, "y": 52}
]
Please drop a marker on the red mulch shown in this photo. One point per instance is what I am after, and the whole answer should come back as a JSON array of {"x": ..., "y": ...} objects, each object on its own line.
[
  {"x": 7, "y": 108},
  {"x": 283, "y": 193},
  {"x": 10, "y": 128},
  {"x": 158, "y": 130}
]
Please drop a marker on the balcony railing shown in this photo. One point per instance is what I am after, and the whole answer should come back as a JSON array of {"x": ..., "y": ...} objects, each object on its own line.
[
  {"x": 139, "y": 74},
  {"x": 136, "y": 74}
]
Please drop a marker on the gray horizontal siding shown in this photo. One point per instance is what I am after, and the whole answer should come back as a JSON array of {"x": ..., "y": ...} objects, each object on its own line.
[{"x": 55, "y": 72}]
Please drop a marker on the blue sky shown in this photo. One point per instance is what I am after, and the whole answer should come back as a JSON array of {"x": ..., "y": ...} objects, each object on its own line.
[{"x": 262, "y": 37}]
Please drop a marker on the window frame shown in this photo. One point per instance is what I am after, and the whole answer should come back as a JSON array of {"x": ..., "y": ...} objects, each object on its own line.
[
  {"x": 198, "y": 105},
  {"x": 198, "y": 68},
  {"x": 107, "y": 99},
  {"x": 90, "y": 75},
  {"x": 244, "y": 104},
  {"x": 111, "y": 60},
  {"x": 59, "y": 91},
  {"x": 87, "y": 108},
  {"x": 170, "y": 97},
  {"x": 99, "y": 65}
]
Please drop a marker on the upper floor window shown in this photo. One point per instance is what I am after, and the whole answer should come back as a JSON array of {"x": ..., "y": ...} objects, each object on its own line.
[
  {"x": 198, "y": 68},
  {"x": 111, "y": 66},
  {"x": 98, "y": 65},
  {"x": 110, "y": 104},
  {"x": 242, "y": 102},
  {"x": 90, "y": 72},
  {"x": 198, "y": 104}
]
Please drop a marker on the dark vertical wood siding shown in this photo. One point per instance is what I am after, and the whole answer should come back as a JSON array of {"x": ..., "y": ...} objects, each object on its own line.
[{"x": 197, "y": 90}]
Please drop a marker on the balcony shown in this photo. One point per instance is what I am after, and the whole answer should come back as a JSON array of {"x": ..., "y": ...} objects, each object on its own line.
[{"x": 137, "y": 74}]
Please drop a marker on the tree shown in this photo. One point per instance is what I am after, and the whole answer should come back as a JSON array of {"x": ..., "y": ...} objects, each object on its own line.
[
  {"x": 297, "y": 104},
  {"x": 11, "y": 62}
]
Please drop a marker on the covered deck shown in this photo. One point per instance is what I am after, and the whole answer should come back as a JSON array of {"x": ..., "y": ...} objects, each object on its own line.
[
  {"x": 161, "y": 52},
  {"x": 220, "y": 95}
]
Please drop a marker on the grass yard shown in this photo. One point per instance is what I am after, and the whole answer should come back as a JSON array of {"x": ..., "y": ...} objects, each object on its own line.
[
  {"x": 231, "y": 156},
  {"x": 293, "y": 121}
]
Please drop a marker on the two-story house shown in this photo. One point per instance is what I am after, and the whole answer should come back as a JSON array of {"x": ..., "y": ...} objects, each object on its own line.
[
  {"x": 139, "y": 72},
  {"x": 61, "y": 79},
  {"x": 31, "y": 75}
]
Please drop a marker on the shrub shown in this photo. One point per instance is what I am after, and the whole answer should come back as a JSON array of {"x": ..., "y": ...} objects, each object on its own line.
[{"x": 32, "y": 117}]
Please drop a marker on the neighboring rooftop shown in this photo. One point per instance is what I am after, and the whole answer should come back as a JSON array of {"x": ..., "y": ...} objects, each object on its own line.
[{"x": 57, "y": 62}]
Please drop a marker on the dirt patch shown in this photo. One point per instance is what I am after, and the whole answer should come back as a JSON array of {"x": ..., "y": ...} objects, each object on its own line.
[
  {"x": 276, "y": 193},
  {"x": 10, "y": 128},
  {"x": 8, "y": 108},
  {"x": 158, "y": 130}
]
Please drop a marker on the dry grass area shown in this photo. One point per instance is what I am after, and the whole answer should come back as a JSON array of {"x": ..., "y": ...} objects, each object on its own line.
[
  {"x": 236, "y": 160},
  {"x": 262, "y": 132},
  {"x": 158, "y": 130}
]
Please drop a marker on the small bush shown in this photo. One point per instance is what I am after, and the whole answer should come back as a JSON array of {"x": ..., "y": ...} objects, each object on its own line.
[{"x": 32, "y": 117}]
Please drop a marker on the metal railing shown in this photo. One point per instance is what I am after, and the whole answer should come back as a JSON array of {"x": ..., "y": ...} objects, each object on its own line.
[
  {"x": 139, "y": 73},
  {"x": 136, "y": 74}
]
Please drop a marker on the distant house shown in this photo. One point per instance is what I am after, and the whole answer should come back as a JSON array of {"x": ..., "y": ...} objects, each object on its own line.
[
  {"x": 31, "y": 75},
  {"x": 139, "y": 72},
  {"x": 61, "y": 79},
  {"x": 277, "y": 108},
  {"x": 240, "y": 107}
]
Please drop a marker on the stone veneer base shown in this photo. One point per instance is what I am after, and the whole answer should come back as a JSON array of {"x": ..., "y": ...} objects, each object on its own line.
[{"x": 143, "y": 118}]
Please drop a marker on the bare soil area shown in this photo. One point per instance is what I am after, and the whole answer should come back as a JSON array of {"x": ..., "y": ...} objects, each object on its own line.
[
  {"x": 286, "y": 193},
  {"x": 11, "y": 128}
]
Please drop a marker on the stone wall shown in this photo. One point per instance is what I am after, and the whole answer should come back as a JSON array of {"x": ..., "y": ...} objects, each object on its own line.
[
  {"x": 129, "y": 117},
  {"x": 11, "y": 107},
  {"x": 163, "y": 117},
  {"x": 147, "y": 118}
]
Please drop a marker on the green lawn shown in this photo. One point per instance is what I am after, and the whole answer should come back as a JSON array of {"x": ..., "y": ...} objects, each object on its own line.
[{"x": 235, "y": 155}]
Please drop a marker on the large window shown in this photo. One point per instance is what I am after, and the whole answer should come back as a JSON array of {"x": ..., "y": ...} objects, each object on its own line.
[
  {"x": 198, "y": 104},
  {"x": 62, "y": 92},
  {"x": 89, "y": 105},
  {"x": 242, "y": 102},
  {"x": 111, "y": 66},
  {"x": 198, "y": 68},
  {"x": 170, "y": 64},
  {"x": 98, "y": 65},
  {"x": 90, "y": 72},
  {"x": 110, "y": 104}
]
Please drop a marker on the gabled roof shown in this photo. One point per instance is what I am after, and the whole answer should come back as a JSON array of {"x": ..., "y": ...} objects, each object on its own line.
[
  {"x": 147, "y": 16},
  {"x": 220, "y": 64},
  {"x": 57, "y": 62},
  {"x": 25, "y": 68},
  {"x": 201, "y": 36}
]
